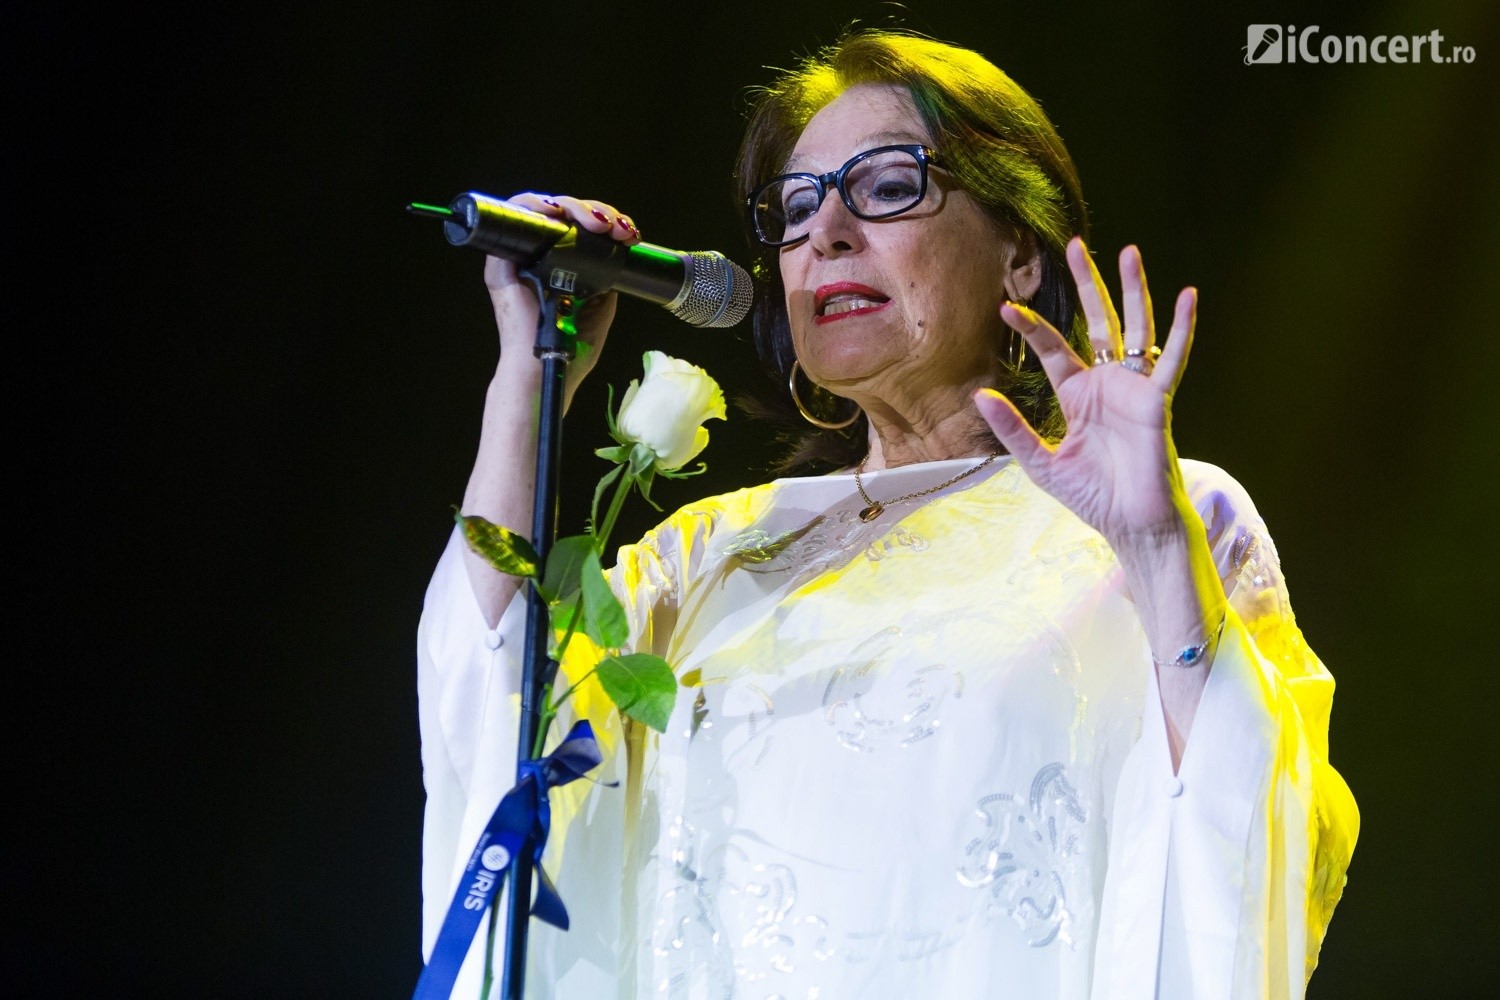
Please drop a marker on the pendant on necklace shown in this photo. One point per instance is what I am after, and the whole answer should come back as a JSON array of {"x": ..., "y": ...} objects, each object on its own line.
[{"x": 871, "y": 512}]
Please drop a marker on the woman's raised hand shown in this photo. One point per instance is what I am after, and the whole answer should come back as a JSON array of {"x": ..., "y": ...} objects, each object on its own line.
[
  {"x": 1116, "y": 466},
  {"x": 502, "y": 487},
  {"x": 515, "y": 303}
]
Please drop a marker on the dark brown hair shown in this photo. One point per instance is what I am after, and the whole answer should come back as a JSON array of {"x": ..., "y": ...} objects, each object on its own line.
[{"x": 994, "y": 140}]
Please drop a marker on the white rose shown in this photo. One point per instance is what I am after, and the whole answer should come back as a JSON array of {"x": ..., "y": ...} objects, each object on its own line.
[{"x": 666, "y": 409}]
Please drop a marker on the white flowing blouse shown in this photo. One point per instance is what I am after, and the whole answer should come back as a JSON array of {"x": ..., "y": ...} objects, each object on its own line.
[{"x": 918, "y": 757}]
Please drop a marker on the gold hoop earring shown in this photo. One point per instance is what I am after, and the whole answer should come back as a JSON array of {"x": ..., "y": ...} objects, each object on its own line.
[
  {"x": 791, "y": 384},
  {"x": 1015, "y": 352}
]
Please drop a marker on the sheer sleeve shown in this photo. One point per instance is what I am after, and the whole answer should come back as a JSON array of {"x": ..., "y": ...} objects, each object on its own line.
[
  {"x": 468, "y": 683},
  {"x": 1222, "y": 878},
  {"x": 467, "y": 675}
]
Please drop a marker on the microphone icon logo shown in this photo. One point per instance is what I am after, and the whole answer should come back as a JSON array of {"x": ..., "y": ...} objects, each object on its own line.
[{"x": 1262, "y": 44}]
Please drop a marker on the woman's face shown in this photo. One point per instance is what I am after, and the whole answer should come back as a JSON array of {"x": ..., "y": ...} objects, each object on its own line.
[{"x": 925, "y": 286}]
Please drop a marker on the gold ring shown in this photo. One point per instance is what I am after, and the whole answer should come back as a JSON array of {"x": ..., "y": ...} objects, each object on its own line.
[{"x": 1140, "y": 360}]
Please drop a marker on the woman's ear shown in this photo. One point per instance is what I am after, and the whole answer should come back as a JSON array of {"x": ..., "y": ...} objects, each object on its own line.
[{"x": 1023, "y": 275}]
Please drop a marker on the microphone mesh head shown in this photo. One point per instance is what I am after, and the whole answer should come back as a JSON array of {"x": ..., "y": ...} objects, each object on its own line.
[{"x": 716, "y": 293}]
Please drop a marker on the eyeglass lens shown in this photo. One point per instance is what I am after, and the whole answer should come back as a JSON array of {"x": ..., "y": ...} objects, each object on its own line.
[{"x": 878, "y": 185}]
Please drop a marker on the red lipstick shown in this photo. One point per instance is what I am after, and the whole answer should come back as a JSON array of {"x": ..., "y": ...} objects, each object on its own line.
[{"x": 846, "y": 290}]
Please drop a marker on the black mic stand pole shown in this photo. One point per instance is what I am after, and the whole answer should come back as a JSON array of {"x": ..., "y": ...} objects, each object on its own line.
[{"x": 554, "y": 349}]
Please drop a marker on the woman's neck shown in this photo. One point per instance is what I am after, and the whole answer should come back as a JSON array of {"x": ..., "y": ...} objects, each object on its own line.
[{"x": 940, "y": 426}]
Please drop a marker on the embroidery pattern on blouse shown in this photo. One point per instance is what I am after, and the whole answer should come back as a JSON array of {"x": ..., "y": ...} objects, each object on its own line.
[
  {"x": 898, "y": 539},
  {"x": 909, "y": 945},
  {"x": 1258, "y": 593},
  {"x": 732, "y": 920},
  {"x": 1051, "y": 566},
  {"x": 887, "y": 697},
  {"x": 809, "y": 550},
  {"x": 1026, "y": 855}
]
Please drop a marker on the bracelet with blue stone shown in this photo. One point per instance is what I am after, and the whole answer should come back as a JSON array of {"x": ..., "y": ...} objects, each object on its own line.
[{"x": 1191, "y": 656}]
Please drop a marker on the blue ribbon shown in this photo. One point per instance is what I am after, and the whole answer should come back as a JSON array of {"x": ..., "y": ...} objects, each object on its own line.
[{"x": 523, "y": 812}]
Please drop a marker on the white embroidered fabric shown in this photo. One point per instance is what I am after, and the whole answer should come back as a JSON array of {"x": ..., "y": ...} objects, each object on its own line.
[{"x": 917, "y": 757}]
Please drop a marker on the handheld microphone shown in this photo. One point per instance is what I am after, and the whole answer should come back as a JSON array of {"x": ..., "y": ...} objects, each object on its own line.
[{"x": 703, "y": 288}]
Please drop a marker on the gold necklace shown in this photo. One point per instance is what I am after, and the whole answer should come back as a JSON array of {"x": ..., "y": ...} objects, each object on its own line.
[{"x": 877, "y": 507}]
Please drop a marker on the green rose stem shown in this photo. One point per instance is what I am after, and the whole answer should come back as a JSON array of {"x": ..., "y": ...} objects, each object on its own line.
[
  {"x": 622, "y": 489},
  {"x": 600, "y": 537},
  {"x": 549, "y": 710}
]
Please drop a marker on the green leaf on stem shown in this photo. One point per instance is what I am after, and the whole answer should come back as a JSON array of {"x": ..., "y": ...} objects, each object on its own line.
[
  {"x": 641, "y": 686},
  {"x": 609, "y": 416},
  {"x": 499, "y": 546},
  {"x": 603, "y": 616},
  {"x": 565, "y": 618},
  {"x": 565, "y": 566},
  {"x": 644, "y": 485}
]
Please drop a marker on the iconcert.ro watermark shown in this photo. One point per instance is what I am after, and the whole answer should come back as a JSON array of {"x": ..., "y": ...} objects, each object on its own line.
[{"x": 1275, "y": 43}]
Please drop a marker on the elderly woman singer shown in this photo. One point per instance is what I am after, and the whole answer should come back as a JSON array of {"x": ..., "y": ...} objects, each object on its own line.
[{"x": 1012, "y": 703}]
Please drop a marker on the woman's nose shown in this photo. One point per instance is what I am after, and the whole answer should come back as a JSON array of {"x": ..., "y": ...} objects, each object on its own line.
[{"x": 834, "y": 229}]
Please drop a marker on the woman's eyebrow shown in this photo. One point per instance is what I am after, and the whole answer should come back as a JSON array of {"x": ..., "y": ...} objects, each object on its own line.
[{"x": 868, "y": 142}]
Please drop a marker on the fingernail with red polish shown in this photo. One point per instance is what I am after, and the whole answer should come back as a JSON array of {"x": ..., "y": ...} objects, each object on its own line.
[{"x": 600, "y": 216}]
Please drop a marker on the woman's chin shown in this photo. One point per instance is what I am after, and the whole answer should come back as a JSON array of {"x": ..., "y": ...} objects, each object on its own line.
[
  {"x": 853, "y": 350},
  {"x": 854, "y": 371}
]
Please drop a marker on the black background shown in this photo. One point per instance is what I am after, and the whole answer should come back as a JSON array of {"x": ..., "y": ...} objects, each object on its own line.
[{"x": 246, "y": 389}]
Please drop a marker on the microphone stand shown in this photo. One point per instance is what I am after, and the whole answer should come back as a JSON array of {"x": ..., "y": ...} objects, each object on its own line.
[
  {"x": 555, "y": 334},
  {"x": 567, "y": 266},
  {"x": 487, "y": 224}
]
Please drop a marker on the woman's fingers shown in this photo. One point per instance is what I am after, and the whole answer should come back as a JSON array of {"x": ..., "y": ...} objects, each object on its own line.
[
  {"x": 1011, "y": 428},
  {"x": 1140, "y": 327},
  {"x": 1174, "y": 353},
  {"x": 1104, "y": 324},
  {"x": 1058, "y": 359},
  {"x": 1139, "y": 338},
  {"x": 1136, "y": 343},
  {"x": 514, "y": 300},
  {"x": 586, "y": 213},
  {"x": 593, "y": 216}
]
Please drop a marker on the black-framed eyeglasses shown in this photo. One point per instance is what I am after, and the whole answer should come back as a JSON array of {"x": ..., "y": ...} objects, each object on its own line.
[{"x": 876, "y": 184}]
